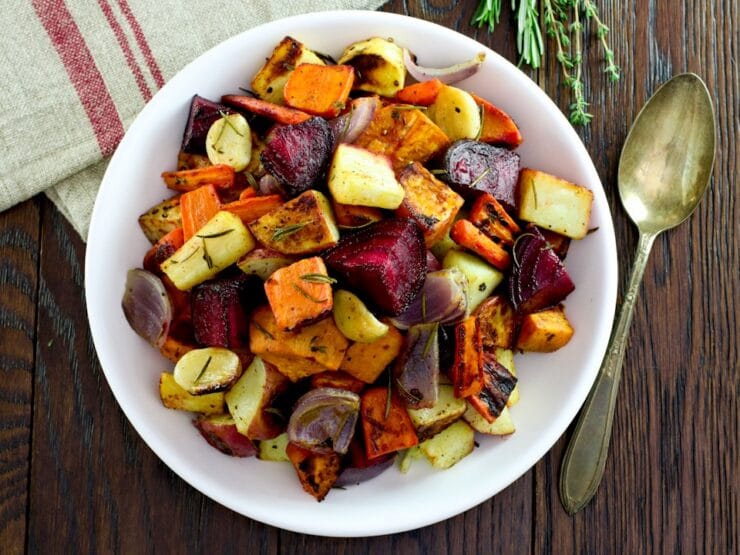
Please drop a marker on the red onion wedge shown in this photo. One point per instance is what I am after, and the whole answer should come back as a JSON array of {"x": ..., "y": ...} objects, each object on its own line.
[
  {"x": 324, "y": 419},
  {"x": 347, "y": 127},
  {"x": 443, "y": 299},
  {"x": 417, "y": 368},
  {"x": 268, "y": 185},
  {"x": 147, "y": 306},
  {"x": 449, "y": 75}
]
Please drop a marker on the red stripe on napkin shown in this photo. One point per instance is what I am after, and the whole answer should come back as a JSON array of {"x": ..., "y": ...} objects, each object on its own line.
[
  {"x": 126, "y": 49},
  {"x": 82, "y": 71},
  {"x": 142, "y": 42}
]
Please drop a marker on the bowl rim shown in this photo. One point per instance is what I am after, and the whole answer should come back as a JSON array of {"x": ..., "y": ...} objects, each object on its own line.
[{"x": 559, "y": 423}]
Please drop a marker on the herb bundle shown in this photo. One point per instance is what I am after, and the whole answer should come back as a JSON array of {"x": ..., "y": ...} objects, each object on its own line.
[{"x": 564, "y": 24}]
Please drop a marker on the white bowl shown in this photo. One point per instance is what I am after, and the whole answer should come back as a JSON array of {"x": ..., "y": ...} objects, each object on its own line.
[{"x": 553, "y": 386}]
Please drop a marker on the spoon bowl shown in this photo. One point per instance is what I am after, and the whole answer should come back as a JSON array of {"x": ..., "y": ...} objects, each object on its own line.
[{"x": 664, "y": 170}]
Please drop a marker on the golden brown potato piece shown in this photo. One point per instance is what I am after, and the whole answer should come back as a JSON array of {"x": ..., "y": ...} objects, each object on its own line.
[
  {"x": 175, "y": 397},
  {"x": 161, "y": 219}
]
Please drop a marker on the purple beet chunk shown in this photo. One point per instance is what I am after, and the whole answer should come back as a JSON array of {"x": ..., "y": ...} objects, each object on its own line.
[
  {"x": 203, "y": 113},
  {"x": 219, "y": 309},
  {"x": 297, "y": 155},
  {"x": 385, "y": 262},
  {"x": 538, "y": 277},
  {"x": 474, "y": 167}
]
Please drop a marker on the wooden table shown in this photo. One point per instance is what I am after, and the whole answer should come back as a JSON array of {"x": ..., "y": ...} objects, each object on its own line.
[{"x": 75, "y": 477}]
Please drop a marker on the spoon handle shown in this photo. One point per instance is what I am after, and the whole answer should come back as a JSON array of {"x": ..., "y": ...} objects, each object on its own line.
[{"x": 583, "y": 465}]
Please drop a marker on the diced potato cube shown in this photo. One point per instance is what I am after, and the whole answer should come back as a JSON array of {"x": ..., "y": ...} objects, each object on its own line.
[
  {"x": 270, "y": 80},
  {"x": 217, "y": 245},
  {"x": 403, "y": 135},
  {"x": 545, "y": 331},
  {"x": 431, "y": 203},
  {"x": 358, "y": 176},
  {"x": 482, "y": 278},
  {"x": 446, "y": 410},
  {"x": 450, "y": 446},
  {"x": 303, "y": 225},
  {"x": 502, "y": 426},
  {"x": 161, "y": 219},
  {"x": 274, "y": 449},
  {"x": 553, "y": 203},
  {"x": 175, "y": 397},
  {"x": 378, "y": 66}
]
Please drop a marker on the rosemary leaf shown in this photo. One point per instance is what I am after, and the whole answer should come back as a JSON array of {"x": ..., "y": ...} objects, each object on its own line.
[
  {"x": 263, "y": 330},
  {"x": 283, "y": 232},
  {"x": 306, "y": 294},
  {"x": 214, "y": 235},
  {"x": 318, "y": 278},
  {"x": 203, "y": 371}
]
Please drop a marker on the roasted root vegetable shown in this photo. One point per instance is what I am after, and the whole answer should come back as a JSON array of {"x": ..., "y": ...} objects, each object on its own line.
[
  {"x": 482, "y": 277},
  {"x": 270, "y": 80},
  {"x": 217, "y": 245},
  {"x": 430, "y": 421},
  {"x": 497, "y": 127},
  {"x": 263, "y": 262},
  {"x": 275, "y": 112},
  {"x": 355, "y": 320},
  {"x": 252, "y": 208},
  {"x": 493, "y": 220},
  {"x": 465, "y": 234},
  {"x": 175, "y": 397},
  {"x": 161, "y": 219},
  {"x": 545, "y": 331},
  {"x": 505, "y": 357},
  {"x": 203, "y": 113},
  {"x": 317, "y": 472},
  {"x": 274, "y": 449},
  {"x": 300, "y": 294},
  {"x": 220, "y": 176},
  {"x": 358, "y": 176},
  {"x": 229, "y": 141},
  {"x": 503, "y": 425},
  {"x": 385, "y": 261},
  {"x": 174, "y": 348},
  {"x": 404, "y": 135},
  {"x": 456, "y": 113},
  {"x": 338, "y": 380},
  {"x": 348, "y": 215},
  {"x": 449, "y": 446},
  {"x": 553, "y": 203},
  {"x": 497, "y": 323},
  {"x": 428, "y": 201},
  {"x": 320, "y": 90},
  {"x": 379, "y": 66},
  {"x": 220, "y": 432},
  {"x": 366, "y": 361},
  {"x": 304, "y": 225},
  {"x": 386, "y": 425},
  {"x": 190, "y": 161},
  {"x": 313, "y": 349},
  {"x": 498, "y": 383},
  {"x": 162, "y": 250},
  {"x": 218, "y": 311},
  {"x": 206, "y": 370},
  {"x": 251, "y": 395},
  {"x": 420, "y": 94},
  {"x": 197, "y": 207},
  {"x": 466, "y": 373}
]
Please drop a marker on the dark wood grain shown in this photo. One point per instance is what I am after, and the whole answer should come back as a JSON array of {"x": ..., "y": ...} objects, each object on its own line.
[{"x": 75, "y": 477}]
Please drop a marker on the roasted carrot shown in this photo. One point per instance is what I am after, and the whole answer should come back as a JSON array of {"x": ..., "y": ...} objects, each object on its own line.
[
  {"x": 220, "y": 176},
  {"x": 162, "y": 250},
  {"x": 348, "y": 215},
  {"x": 316, "y": 471},
  {"x": 249, "y": 192},
  {"x": 386, "y": 424},
  {"x": 498, "y": 127},
  {"x": 465, "y": 372},
  {"x": 300, "y": 294},
  {"x": 498, "y": 383},
  {"x": 275, "y": 112},
  {"x": 250, "y": 209},
  {"x": 493, "y": 220},
  {"x": 338, "y": 380},
  {"x": 197, "y": 207},
  {"x": 319, "y": 90},
  {"x": 465, "y": 234},
  {"x": 420, "y": 94}
]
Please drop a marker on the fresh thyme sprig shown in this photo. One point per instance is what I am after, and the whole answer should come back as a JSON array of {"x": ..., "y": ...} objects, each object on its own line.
[{"x": 564, "y": 25}]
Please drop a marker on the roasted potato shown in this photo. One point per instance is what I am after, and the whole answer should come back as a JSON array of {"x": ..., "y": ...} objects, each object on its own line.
[
  {"x": 229, "y": 141},
  {"x": 449, "y": 446},
  {"x": 274, "y": 449},
  {"x": 161, "y": 219},
  {"x": 175, "y": 397},
  {"x": 360, "y": 177},
  {"x": 545, "y": 331},
  {"x": 446, "y": 410},
  {"x": 378, "y": 64},
  {"x": 482, "y": 277},
  {"x": 354, "y": 319},
  {"x": 206, "y": 370},
  {"x": 456, "y": 113},
  {"x": 502, "y": 426},
  {"x": 220, "y": 432},
  {"x": 263, "y": 262}
]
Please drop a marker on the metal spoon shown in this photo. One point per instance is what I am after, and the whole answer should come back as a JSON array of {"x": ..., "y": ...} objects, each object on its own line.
[{"x": 664, "y": 170}]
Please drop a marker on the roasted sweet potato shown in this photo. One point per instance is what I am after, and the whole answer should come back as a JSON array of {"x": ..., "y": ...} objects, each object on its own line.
[
  {"x": 174, "y": 347},
  {"x": 428, "y": 201},
  {"x": 337, "y": 379},
  {"x": 319, "y": 90},
  {"x": 162, "y": 250},
  {"x": 366, "y": 361},
  {"x": 545, "y": 331},
  {"x": 497, "y": 323},
  {"x": 420, "y": 94},
  {"x": 498, "y": 383},
  {"x": 491, "y": 218},
  {"x": 317, "y": 471},
  {"x": 465, "y": 372},
  {"x": 197, "y": 207},
  {"x": 465, "y": 234},
  {"x": 385, "y": 423},
  {"x": 348, "y": 215},
  {"x": 498, "y": 127}
]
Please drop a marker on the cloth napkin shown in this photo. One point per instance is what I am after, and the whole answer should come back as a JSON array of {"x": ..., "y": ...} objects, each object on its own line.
[{"x": 75, "y": 73}]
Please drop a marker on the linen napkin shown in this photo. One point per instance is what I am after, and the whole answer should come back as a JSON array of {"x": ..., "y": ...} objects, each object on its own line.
[{"x": 75, "y": 73}]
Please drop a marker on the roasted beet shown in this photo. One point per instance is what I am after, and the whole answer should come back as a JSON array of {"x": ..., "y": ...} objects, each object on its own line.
[
  {"x": 472, "y": 166},
  {"x": 385, "y": 262},
  {"x": 297, "y": 155},
  {"x": 498, "y": 383},
  {"x": 432, "y": 263},
  {"x": 203, "y": 113},
  {"x": 219, "y": 309},
  {"x": 538, "y": 278}
]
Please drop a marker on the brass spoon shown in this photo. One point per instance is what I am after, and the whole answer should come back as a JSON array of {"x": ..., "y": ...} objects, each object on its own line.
[{"x": 664, "y": 170}]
